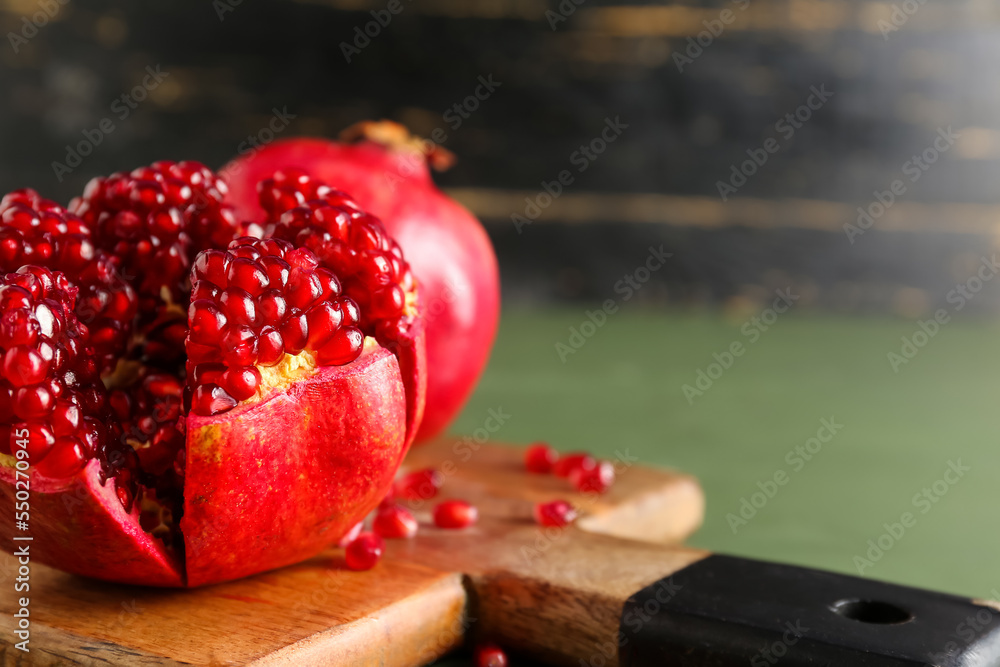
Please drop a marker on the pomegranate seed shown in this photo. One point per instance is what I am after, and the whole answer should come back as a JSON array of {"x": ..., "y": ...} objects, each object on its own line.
[
  {"x": 394, "y": 522},
  {"x": 211, "y": 399},
  {"x": 557, "y": 513},
  {"x": 241, "y": 383},
  {"x": 490, "y": 655},
  {"x": 343, "y": 347},
  {"x": 455, "y": 514},
  {"x": 364, "y": 552},
  {"x": 570, "y": 462},
  {"x": 539, "y": 458},
  {"x": 23, "y": 365},
  {"x": 597, "y": 479},
  {"x": 419, "y": 485},
  {"x": 66, "y": 458}
]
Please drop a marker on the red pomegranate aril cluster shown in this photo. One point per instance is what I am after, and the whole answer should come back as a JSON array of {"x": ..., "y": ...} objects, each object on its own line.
[
  {"x": 154, "y": 220},
  {"x": 364, "y": 552},
  {"x": 35, "y": 231},
  {"x": 251, "y": 305},
  {"x": 585, "y": 473},
  {"x": 394, "y": 522},
  {"x": 348, "y": 241},
  {"x": 455, "y": 514},
  {"x": 48, "y": 375}
]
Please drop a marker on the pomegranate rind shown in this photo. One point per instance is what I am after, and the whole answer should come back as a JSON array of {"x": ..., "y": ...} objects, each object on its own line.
[
  {"x": 79, "y": 526},
  {"x": 274, "y": 483},
  {"x": 446, "y": 246}
]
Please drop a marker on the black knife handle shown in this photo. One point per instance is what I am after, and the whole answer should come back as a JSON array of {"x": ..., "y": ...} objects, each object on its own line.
[{"x": 724, "y": 611}]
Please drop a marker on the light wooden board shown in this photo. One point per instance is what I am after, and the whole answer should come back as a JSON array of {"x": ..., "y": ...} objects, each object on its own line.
[{"x": 416, "y": 605}]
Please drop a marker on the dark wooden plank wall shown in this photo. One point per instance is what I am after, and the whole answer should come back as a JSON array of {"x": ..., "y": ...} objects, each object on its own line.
[{"x": 891, "y": 93}]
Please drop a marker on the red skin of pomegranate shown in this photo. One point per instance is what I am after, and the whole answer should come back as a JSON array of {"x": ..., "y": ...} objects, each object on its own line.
[
  {"x": 267, "y": 485},
  {"x": 446, "y": 246}
]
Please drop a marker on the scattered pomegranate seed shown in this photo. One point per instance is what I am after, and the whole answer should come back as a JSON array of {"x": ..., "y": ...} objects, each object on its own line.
[
  {"x": 394, "y": 522},
  {"x": 364, "y": 552},
  {"x": 455, "y": 514},
  {"x": 557, "y": 513},
  {"x": 419, "y": 485},
  {"x": 540, "y": 457},
  {"x": 490, "y": 655},
  {"x": 569, "y": 462},
  {"x": 597, "y": 479}
]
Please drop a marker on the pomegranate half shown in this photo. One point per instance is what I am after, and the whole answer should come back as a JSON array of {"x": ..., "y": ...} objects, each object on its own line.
[
  {"x": 386, "y": 170},
  {"x": 181, "y": 405}
]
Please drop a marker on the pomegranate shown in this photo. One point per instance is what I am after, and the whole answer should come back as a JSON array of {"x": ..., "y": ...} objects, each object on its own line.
[
  {"x": 386, "y": 170},
  {"x": 188, "y": 406}
]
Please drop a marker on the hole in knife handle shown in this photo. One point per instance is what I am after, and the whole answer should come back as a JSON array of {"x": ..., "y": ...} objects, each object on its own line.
[{"x": 872, "y": 611}]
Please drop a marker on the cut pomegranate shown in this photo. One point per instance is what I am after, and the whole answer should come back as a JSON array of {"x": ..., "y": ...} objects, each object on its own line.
[
  {"x": 223, "y": 414},
  {"x": 419, "y": 485},
  {"x": 597, "y": 479},
  {"x": 540, "y": 457},
  {"x": 557, "y": 513},
  {"x": 364, "y": 552},
  {"x": 490, "y": 655},
  {"x": 394, "y": 522},
  {"x": 567, "y": 463},
  {"x": 455, "y": 514},
  {"x": 386, "y": 171}
]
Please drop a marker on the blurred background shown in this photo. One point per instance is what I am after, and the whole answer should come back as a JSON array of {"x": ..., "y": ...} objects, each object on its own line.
[{"x": 844, "y": 154}]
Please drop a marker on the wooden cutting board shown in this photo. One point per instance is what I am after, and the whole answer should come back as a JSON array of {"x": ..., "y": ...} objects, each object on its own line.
[
  {"x": 411, "y": 609},
  {"x": 567, "y": 596}
]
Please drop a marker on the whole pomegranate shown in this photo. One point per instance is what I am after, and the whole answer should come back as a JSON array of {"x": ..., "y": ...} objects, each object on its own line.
[
  {"x": 386, "y": 171},
  {"x": 183, "y": 405}
]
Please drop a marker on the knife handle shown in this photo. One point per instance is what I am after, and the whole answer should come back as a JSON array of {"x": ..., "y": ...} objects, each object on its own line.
[{"x": 595, "y": 601}]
